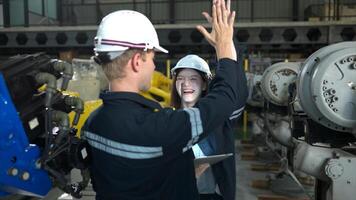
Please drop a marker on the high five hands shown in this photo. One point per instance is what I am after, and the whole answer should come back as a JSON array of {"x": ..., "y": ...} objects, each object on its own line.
[{"x": 222, "y": 23}]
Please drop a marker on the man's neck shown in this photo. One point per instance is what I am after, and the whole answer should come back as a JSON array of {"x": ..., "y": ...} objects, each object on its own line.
[{"x": 123, "y": 86}]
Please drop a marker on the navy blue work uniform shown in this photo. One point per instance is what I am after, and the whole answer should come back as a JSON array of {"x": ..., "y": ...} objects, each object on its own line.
[
  {"x": 143, "y": 152},
  {"x": 221, "y": 141}
]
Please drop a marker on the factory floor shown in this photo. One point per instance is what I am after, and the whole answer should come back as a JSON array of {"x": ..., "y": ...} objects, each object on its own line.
[
  {"x": 259, "y": 177},
  {"x": 245, "y": 176},
  {"x": 251, "y": 184}
]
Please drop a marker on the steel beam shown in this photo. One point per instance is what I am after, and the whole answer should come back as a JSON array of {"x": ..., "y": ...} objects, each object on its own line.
[{"x": 269, "y": 35}]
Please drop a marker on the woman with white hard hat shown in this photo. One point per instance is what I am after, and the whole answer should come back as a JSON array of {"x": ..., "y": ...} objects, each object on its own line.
[
  {"x": 193, "y": 70},
  {"x": 191, "y": 76}
]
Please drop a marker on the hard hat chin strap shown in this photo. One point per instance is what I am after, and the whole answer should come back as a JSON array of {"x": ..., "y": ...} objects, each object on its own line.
[
  {"x": 148, "y": 46},
  {"x": 106, "y": 57},
  {"x": 102, "y": 58}
]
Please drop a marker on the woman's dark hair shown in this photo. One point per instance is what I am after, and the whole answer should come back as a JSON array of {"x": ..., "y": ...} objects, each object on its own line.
[{"x": 175, "y": 98}]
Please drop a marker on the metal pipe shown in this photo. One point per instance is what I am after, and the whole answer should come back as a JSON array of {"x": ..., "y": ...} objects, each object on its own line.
[
  {"x": 172, "y": 14},
  {"x": 62, "y": 120},
  {"x": 78, "y": 104},
  {"x": 312, "y": 159},
  {"x": 295, "y": 10},
  {"x": 26, "y": 13},
  {"x": 51, "y": 89},
  {"x": 6, "y": 13},
  {"x": 252, "y": 5},
  {"x": 67, "y": 70},
  {"x": 281, "y": 133},
  {"x": 168, "y": 68}
]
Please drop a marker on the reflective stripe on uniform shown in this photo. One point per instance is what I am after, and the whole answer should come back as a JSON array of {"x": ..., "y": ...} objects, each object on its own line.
[
  {"x": 121, "y": 149},
  {"x": 196, "y": 126},
  {"x": 236, "y": 113}
]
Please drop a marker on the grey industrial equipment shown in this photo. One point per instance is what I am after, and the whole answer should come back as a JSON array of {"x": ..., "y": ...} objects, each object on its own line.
[
  {"x": 332, "y": 166},
  {"x": 275, "y": 81},
  {"x": 327, "y": 93},
  {"x": 327, "y": 86},
  {"x": 274, "y": 85},
  {"x": 255, "y": 97}
]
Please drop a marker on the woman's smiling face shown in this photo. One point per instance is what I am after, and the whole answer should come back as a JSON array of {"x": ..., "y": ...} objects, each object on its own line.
[{"x": 190, "y": 86}]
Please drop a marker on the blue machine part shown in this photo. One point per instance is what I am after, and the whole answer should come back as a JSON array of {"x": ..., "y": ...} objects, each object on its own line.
[{"x": 20, "y": 172}]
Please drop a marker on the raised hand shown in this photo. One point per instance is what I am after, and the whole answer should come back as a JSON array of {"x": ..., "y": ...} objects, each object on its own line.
[{"x": 221, "y": 35}]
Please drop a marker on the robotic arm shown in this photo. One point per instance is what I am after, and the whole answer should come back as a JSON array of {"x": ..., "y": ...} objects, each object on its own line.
[{"x": 38, "y": 146}]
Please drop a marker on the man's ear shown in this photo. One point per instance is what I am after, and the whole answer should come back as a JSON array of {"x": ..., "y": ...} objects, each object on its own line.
[{"x": 136, "y": 62}]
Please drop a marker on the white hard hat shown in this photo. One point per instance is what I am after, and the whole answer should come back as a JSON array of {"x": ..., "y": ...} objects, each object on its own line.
[
  {"x": 192, "y": 62},
  {"x": 124, "y": 29}
]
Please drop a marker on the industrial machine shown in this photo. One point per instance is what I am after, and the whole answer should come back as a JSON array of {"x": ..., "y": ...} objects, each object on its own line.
[
  {"x": 318, "y": 126},
  {"x": 38, "y": 142},
  {"x": 40, "y": 122},
  {"x": 326, "y": 93},
  {"x": 274, "y": 86}
]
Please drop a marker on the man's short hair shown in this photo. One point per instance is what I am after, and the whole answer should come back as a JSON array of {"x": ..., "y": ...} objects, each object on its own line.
[{"x": 115, "y": 69}]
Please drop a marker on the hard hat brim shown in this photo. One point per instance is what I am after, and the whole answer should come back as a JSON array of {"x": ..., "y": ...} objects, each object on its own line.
[
  {"x": 174, "y": 69},
  {"x": 161, "y": 49}
]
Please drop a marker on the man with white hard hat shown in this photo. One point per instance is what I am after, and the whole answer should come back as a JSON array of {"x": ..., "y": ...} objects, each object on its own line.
[{"x": 140, "y": 150}]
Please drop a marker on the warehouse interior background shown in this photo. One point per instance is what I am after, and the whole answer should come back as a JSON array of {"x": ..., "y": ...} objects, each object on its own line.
[
  {"x": 280, "y": 29},
  {"x": 279, "y": 43}
]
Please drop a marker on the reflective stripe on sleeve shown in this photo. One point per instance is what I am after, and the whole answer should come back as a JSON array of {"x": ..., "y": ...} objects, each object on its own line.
[
  {"x": 236, "y": 113},
  {"x": 196, "y": 126},
  {"x": 121, "y": 149}
]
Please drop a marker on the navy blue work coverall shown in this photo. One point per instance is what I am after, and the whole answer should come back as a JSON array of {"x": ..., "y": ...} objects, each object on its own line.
[
  {"x": 222, "y": 141},
  {"x": 143, "y": 152}
]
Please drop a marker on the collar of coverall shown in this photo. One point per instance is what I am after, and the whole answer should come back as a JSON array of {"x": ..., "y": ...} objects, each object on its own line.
[{"x": 115, "y": 97}]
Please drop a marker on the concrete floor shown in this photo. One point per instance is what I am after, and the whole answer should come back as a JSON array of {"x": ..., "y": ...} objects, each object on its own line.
[{"x": 245, "y": 176}]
